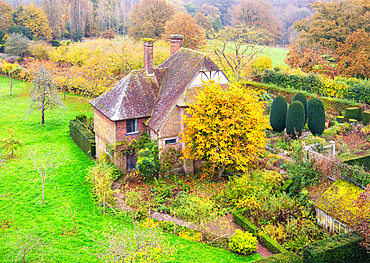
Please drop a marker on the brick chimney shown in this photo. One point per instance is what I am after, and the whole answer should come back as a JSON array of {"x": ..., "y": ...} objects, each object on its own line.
[
  {"x": 148, "y": 55},
  {"x": 176, "y": 43}
]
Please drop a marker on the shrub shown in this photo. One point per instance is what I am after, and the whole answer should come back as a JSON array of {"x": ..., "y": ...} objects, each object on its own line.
[
  {"x": 353, "y": 113},
  {"x": 24, "y": 31},
  {"x": 147, "y": 163},
  {"x": 169, "y": 156},
  {"x": 243, "y": 242},
  {"x": 2, "y": 35},
  {"x": 366, "y": 118},
  {"x": 295, "y": 119},
  {"x": 303, "y": 174},
  {"x": 55, "y": 43},
  {"x": 243, "y": 222},
  {"x": 342, "y": 248},
  {"x": 278, "y": 113},
  {"x": 109, "y": 34},
  {"x": 316, "y": 116},
  {"x": 302, "y": 98},
  {"x": 16, "y": 45},
  {"x": 39, "y": 49}
]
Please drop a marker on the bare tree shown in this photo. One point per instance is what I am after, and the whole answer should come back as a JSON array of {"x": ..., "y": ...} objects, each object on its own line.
[
  {"x": 77, "y": 16},
  {"x": 53, "y": 9},
  {"x": 235, "y": 47},
  {"x": 45, "y": 166},
  {"x": 43, "y": 93},
  {"x": 27, "y": 242},
  {"x": 134, "y": 245}
]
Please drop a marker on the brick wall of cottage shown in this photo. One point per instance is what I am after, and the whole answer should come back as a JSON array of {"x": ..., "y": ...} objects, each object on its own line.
[
  {"x": 104, "y": 130},
  {"x": 121, "y": 134}
]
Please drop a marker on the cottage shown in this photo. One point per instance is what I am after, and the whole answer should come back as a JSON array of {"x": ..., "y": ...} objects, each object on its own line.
[{"x": 151, "y": 100}]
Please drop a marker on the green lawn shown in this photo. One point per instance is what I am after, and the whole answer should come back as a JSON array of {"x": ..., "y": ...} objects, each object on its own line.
[
  {"x": 67, "y": 194},
  {"x": 276, "y": 54}
]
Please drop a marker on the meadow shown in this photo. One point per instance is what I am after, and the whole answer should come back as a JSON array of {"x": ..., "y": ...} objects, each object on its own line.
[{"x": 69, "y": 216}]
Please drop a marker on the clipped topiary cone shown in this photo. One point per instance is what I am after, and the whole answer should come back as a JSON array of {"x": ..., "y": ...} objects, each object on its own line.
[
  {"x": 316, "y": 116},
  {"x": 278, "y": 113},
  {"x": 295, "y": 119},
  {"x": 302, "y": 98}
]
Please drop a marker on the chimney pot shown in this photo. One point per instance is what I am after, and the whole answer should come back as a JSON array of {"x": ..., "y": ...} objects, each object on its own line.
[
  {"x": 148, "y": 55},
  {"x": 176, "y": 43}
]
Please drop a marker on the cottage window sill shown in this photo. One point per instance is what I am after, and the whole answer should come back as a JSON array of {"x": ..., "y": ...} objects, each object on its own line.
[{"x": 131, "y": 133}]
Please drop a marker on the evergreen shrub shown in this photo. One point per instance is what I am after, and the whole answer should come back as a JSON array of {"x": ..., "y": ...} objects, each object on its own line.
[
  {"x": 271, "y": 244},
  {"x": 302, "y": 98},
  {"x": 337, "y": 249},
  {"x": 316, "y": 116},
  {"x": 295, "y": 119},
  {"x": 243, "y": 222},
  {"x": 366, "y": 118},
  {"x": 243, "y": 242},
  {"x": 353, "y": 113},
  {"x": 278, "y": 113},
  {"x": 340, "y": 119}
]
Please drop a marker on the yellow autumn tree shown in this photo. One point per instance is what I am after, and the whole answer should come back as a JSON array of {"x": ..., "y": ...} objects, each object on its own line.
[
  {"x": 35, "y": 19},
  {"x": 6, "y": 12},
  {"x": 225, "y": 128}
]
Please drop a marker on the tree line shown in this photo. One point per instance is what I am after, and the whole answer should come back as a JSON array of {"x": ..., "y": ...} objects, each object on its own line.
[{"x": 75, "y": 19}]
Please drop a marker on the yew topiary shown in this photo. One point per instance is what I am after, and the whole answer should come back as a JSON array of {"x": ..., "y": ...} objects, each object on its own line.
[
  {"x": 295, "y": 119},
  {"x": 302, "y": 98},
  {"x": 278, "y": 113},
  {"x": 316, "y": 116}
]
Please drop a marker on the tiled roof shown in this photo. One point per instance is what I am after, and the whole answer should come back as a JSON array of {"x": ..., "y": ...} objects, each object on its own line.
[
  {"x": 182, "y": 68},
  {"x": 139, "y": 95},
  {"x": 132, "y": 97}
]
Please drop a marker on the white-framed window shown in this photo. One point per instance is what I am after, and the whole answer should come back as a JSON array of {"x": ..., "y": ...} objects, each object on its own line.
[
  {"x": 109, "y": 150},
  {"x": 170, "y": 141},
  {"x": 131, "y": 126}
]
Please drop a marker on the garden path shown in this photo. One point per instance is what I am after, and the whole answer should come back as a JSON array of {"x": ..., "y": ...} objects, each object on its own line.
[{"x": 224, "y": 226}]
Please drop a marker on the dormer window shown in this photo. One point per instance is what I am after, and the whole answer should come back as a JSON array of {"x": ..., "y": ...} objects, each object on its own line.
[{"x": 131, "y": 126}]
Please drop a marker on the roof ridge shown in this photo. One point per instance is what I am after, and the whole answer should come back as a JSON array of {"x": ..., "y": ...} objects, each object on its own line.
[{"x": 194, "y": 51}]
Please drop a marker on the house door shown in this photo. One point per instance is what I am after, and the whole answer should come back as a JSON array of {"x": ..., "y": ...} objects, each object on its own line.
[{"x": 130, "y": 161}]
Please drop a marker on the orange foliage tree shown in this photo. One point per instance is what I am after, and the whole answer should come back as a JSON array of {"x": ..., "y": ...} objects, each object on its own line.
[
  {"x": 354, "y": 55},
  {"x": 182, "y": 23},
  {"x": 225, "y": 128}
]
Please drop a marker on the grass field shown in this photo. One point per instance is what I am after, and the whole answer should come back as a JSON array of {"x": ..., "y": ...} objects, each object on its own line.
[
  {"x": 277, "y": 54},
  {"x": 69, "y": 201}
]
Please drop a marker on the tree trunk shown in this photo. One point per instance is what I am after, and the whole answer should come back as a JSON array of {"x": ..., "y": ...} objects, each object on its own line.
[
  {"x": 220, "y": 172},
  {"x": 42, "y": 191},
  {"x": 42, "y": 116}
]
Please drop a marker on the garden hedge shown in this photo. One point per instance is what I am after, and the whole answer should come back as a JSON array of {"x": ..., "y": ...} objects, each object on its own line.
[
  {"x": 295, "y": 119},
  {"x": 271, "y": 244},
  {"x": 286, "y": 257},
  {"x": 287, "y": 185},
  {"x": 362, "y": 160},
  {"x": 338, "y": 249},
  {"x": 243, "y": 222},
  {"x": 333, "y": 106},
  {"x": 278, "y": 113},
  {"x": 353, "y": 113},
  {"x": 302, "y": 98},
  {"x": 83, "y": 137},
  {"x": 316, "y": 116}
]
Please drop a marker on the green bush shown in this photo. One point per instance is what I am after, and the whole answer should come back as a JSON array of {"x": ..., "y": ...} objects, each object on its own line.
[
  {"x": 302, "y": 98},
  {"x": 243, "y": 242},
  {"x": 271, "y": 244},
  {"x": 2, "y": 35},
  {"x": 353, "y": 113},
  {"x": 295, "y": 119},
  {"x": 286, "y": 257},
  {"x": 338, "y": 249},
  {"x": 316, "y": 116},
  {"x": 366, "y": 118},
  {"x": 278, "y": 113},
  {"x": 240, "y": 220},
  {"x": 148, "y": 162},
  {"x": 24, "y": 31},
  {"x": 55, "y": 43},
  {"x": 303, "y": 174}
]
